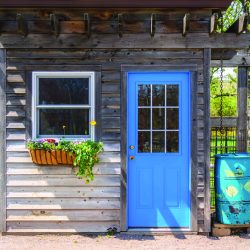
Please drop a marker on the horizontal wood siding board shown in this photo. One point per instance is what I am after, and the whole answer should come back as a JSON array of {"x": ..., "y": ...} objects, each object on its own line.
[
  {"x": 30, "y": 169},
  {"x": 63, "y": 203},
  {"x": 63, "y": 215},
  {"x": 61, "y": 227},
  {"x": 125, "y": 4},
  {"x": 133, "y": 41},
  {"x": 63, "y": 192}
]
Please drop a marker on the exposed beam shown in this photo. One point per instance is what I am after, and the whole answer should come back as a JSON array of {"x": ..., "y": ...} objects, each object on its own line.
[
  {"x": 55, "y": 24},
  {"x": 152, "y": 25},
  {"x": 185, "y": 24},
  {"x": 130, "y": 41},
  {"x": 214, "y": 23},
  {"x": 120, "y": 24},
  {"x": 241, "y": 58},
  {"x": 21, "y": 25},
  {"x": 240, "y": 25}
]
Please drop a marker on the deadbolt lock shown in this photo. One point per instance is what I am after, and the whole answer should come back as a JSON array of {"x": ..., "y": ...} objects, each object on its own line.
[{"x": 131, "y": 147}]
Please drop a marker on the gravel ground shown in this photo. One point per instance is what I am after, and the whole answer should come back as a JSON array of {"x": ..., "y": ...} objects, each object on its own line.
[{"x": 54, "y": 242}]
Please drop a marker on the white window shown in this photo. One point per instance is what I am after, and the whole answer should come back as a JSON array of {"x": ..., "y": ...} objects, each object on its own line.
[{"x": 63, "y": 104}]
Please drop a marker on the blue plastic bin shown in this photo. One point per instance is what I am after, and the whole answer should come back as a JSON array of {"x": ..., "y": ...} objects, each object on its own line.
[{"x": 232, "y": 188}]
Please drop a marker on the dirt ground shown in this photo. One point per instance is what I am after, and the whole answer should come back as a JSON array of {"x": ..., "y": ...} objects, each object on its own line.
[{"x": 119, "y": 241}]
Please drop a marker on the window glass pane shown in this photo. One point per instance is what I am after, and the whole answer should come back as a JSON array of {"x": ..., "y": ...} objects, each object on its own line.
[
  {"x": 64, "y": 122},
  {"x": 158, "y": 94},
  {"x": 158, "y": 141},
  {"x": 144, "y": 95},
  {"x": 63, "y": 91},
  {"x": 172, "y": 142},
  {"x": 172, "y": 118},
  {"x": 172, "y": 95},
  {"x": 143, "y": 142},
  {"x": 158, "y": 118},
  {"x": 143, "y": 118}
]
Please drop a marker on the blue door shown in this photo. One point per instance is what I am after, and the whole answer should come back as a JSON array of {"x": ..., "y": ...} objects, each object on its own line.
[{"x": 158, "y": 149}]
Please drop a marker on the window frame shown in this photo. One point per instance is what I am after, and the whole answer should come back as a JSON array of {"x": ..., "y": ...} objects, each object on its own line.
[{"x": 36, "y": 75}]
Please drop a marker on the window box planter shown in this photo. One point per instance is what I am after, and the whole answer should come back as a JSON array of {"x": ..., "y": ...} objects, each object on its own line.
[
  {"x": 51, "y": 157},
  {"x": 81, "y": 154}
]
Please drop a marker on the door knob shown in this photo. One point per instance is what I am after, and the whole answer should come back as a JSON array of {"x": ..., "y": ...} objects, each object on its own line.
[{"x": 131, "y": 157}]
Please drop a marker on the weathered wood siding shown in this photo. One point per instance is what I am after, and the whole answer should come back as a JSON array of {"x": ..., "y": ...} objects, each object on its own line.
[{"x": 52, "y": 199}]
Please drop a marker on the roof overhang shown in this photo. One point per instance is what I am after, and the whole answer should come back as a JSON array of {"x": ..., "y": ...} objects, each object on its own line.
[{"x": 214, "y": 4}]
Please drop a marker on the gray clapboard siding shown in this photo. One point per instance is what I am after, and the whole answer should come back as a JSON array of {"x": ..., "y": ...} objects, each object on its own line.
[
  {"x": 50, "y": 215},
  {"x": 61, "y": 227},
  {"x": 60, "y": 180},
  {"x": 32, "y": 188},
  {"x": 63, "y": 203},
  {"x": 30, "y": 169},
  {"x": 63, "y": 192}
]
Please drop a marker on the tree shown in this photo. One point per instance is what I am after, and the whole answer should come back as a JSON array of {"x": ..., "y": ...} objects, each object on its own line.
[
  {"x": 229, "y": 95},
  {"x": 236, "y": 8}
]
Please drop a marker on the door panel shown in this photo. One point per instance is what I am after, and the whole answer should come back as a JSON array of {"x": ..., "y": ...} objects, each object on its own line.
[{"x": 158, "y": 149}]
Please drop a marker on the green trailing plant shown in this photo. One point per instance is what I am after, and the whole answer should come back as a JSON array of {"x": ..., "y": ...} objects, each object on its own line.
[{"x": 85, "y": 153}]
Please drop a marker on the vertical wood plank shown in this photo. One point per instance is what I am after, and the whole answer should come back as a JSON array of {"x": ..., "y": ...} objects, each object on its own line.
[
  {"x": 123, "y": 217},
  {"x": 194, "y": 162},
  {"x": 242, "y": 110},
  {"x": 207, "y": 61},
  {"x": 98, "y": 91},
  {"x": 2, "y": 140}
]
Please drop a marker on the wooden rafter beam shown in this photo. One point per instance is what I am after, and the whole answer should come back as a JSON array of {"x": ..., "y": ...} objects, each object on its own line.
[
  {"x": 130, "y": 41},
  {"x": 185, "y": 25},
  {"x": 22, "y": 26},
  {"x": 152, "y": 25},
  {"x": 214, "y": 23},
  {"x": 240, "y": 25},
  {"x": 120, "y": 24}
]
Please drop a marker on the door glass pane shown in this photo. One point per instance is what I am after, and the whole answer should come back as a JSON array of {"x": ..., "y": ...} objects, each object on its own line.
[
  {"x": 158, "y": 95},
  {"x": 144, "y": 118},
  {"x": 144, "y": 95},
  {"x": 172, "y": 142},
  {"x": 57, "y": 91},
  {"x": 143, "y": 142},
  {"x": 172, "y": 95},
  {"x": 158, "y": 141},
  {"x": 172, "y": 118},
  {"x": 64, "y": 122},
  {"x": 158, "y": 119}
]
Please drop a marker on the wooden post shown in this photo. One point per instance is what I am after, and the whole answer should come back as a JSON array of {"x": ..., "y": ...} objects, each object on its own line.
[
  {"x": 241, "y": 144},
  {"x": 2, "y": 140},
  {"x": 206, "y": 65}
]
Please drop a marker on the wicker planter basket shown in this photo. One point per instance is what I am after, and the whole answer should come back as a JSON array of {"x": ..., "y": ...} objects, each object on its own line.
[{"x": 53, "y": 157}]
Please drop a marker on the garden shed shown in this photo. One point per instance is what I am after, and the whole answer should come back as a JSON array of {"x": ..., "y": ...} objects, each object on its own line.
[{"x": 140, "y": 70}]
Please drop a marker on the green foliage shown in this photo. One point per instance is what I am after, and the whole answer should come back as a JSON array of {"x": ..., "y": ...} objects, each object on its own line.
[
  {"x": 85, "y": 152},
  {"x": 86, "y": 157},
  {"x": 236, "y": 8},
  {"x": 229, "y": 95}
]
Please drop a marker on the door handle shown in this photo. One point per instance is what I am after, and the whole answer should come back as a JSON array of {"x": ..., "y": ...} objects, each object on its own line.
[{"x": 131, "y": 157}]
